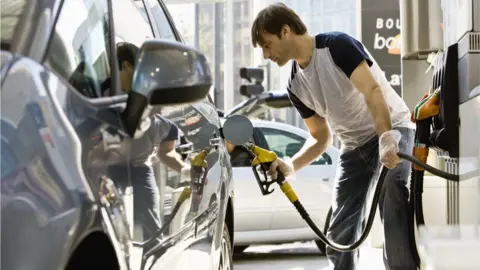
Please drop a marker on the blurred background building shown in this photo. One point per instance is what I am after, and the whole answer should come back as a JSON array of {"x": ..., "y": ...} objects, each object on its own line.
[{"x": 203, "y": 25}]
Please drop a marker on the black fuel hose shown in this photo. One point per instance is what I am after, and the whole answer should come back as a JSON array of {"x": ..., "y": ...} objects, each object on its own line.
[
  {"x": 286, "y": 188},
  {"x": 428, "y": 168}
]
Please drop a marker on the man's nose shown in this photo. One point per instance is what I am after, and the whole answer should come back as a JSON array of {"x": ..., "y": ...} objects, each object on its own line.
[{"x": 266, "y": 55}]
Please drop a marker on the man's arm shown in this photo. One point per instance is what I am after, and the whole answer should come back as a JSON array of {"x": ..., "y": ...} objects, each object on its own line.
[
  {"x": 316, "y": 144},
  {"x": 313, "y": 147},
  {"x": 166, "y": 144},
  {"x": 364, "y": 81},
  {"x": 350, "y": 56},
  {"x": 167, "y": 154}
]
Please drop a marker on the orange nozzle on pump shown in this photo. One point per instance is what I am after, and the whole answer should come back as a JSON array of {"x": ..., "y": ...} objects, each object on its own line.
[
  {"x": 421, "y": 153},
  {"x": 427, "y": 108}
]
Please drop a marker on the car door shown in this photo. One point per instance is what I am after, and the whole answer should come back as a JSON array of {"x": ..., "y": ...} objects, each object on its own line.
[
  {"x": 204, "y": 149},
  {"x": 42, "y": 189},
  {"x": 79, "y": 61},
  {"x": 312, "y": 183},
  {"x": 187, "y": 197},
  {"x": 190, "y": 221},
  {"x": 199, "y": 126}
]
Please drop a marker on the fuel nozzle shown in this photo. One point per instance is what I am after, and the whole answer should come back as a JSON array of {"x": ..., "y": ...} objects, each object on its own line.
[
  {"x": 198, "y": 175},
  {"x": 199, "y": 159},
  {"x": 262, "y": 160}
]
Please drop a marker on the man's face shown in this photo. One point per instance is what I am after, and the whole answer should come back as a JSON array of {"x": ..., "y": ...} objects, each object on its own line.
[
  {"x": 126, "y": 75},
  {"x": 275, "y": 48}
]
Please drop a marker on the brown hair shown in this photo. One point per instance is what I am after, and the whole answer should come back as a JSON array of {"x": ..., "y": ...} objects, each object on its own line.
[{"x": 272, "y": 19}]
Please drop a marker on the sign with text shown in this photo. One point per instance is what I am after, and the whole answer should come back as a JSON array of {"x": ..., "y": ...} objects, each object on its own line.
[{"x": 380, "y": 20}]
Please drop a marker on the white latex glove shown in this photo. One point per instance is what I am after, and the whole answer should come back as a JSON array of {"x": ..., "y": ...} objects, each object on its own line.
[
  {"x": 185, "y": 174},
  {"x": 285, "y": 166},
  {"x": 388, "y": 148}
]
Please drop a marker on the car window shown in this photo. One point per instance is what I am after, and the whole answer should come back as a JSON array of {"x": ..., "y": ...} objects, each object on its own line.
[
  {"x": 163, "y": 24},
  {"x": 79, "y": 50},
  {"x": 286, "y": 144},
  {"x": 11, "y": 12},
  {"x": 130, "y": 24}
]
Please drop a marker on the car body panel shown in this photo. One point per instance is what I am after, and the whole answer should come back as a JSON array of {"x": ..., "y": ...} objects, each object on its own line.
[
  {"x": 46, "y": 186},
  {"x": 58, "y": 181}
]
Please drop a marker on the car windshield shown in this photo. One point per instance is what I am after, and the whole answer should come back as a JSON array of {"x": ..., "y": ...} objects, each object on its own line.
[{"x": 11, "y": 12}]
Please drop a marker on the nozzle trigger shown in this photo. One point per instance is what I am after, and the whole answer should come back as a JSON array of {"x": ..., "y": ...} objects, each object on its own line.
[{"x": 263, "y": 184}]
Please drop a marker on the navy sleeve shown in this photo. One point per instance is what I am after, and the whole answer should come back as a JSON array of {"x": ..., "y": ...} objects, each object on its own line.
[
  {"x": 304, "y": 111},
  {"x": 172, "y": 132},
  {"x": 163, "y": 130},
  {"x": 348, "y": 53}
]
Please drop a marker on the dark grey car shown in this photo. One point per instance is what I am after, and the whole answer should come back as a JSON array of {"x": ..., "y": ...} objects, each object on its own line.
[{"x": 72, "y": 196}]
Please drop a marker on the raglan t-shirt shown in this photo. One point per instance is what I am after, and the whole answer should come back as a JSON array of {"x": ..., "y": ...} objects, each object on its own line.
[{"x": 324, "y": 88}]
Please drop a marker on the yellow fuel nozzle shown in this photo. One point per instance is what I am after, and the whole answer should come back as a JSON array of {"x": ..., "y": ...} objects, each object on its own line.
[
  {"x": 187, "y": 191},
  {"x": 199, "y": 159},
  {"x": 262, "y": 155},
  {"x": 265, "y": 157}
]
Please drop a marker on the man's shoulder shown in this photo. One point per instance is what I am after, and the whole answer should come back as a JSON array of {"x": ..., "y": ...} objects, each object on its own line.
[
  {"x": 292, "y": 81},
  {"x": 333, "y": 38}
]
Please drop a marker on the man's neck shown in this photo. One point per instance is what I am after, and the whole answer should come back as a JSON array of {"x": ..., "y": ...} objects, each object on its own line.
[{"x": 303, "y": 50}]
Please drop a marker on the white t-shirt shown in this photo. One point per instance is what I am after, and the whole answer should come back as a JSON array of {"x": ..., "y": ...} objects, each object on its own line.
[{"x": 324, "y": 88}]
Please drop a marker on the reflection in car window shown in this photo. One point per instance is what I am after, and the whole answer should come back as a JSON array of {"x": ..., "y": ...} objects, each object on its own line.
[
  {"x": 130, "y": 24},
  {"x": 82, "y": 34},
  {"x": 9, "y": 161},
  {"x": 286, "y": 144},
  {"x": 11, "y": 12},
  {"x": 161, "y": 18}
]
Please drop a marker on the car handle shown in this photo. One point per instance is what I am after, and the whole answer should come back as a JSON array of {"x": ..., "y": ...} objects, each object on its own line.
[
  {"x": 215, "y": 142},
  {"x": 186, "y": 148}
]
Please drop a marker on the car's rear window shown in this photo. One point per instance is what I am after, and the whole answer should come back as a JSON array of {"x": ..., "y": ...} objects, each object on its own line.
[{"x": 11, "y": 12}]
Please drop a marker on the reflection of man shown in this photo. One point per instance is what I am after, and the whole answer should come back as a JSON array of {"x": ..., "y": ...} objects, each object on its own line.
[
  {"x": 126, "y": 56},
  {"x": 137, "y": 156}
]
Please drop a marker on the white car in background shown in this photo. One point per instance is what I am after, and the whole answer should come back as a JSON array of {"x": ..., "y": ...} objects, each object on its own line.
[{"x": 272, "y": 219}]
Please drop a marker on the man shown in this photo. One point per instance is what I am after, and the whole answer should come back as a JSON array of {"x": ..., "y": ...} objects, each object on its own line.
[
  {"x": 335, "y": 81},
  {"x": 132, "y": 162}
]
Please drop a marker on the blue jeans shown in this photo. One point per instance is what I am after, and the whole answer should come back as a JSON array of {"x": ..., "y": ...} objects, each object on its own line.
[
  {"x": 146, "y": 198},
  {"x": 353, "y": 181}
]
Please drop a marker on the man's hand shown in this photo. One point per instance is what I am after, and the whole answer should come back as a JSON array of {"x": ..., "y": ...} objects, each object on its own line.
[
  {"x": 185, "y": 174},
  {"x": 285, "y": 166},
  {"x": 388, "y": 148}
]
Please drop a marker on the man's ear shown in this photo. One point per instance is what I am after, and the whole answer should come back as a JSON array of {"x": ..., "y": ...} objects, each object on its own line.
[
  {"x": 127, "y": 65},
  {"x": 285, "y": 30}
]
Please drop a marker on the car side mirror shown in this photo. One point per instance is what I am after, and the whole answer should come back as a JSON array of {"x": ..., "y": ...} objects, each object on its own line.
[{"x": 166, "y": 73}]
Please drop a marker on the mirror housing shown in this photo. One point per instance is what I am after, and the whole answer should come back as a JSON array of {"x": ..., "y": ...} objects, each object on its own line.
[{"x": 166, "y": 73}]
